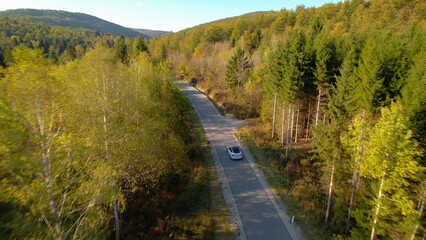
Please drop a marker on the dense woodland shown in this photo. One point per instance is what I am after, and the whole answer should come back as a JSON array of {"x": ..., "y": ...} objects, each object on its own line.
[
  {"x": 340, "y": 94},
  {"x": 95, "y": 141},
  {"x": 58, "y": 43},
  {"x": 70, "y": 20}
]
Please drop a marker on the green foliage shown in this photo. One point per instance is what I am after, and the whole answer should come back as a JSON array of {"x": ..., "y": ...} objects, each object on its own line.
[
  {"x": 287, "y": 68},
  {"x": 256, "y": 39},
  {"x": 237, "y": 70},
  {"x": 80, "y": 137},
  {"x": 389, "y": 160},
  {"x": 214, "y": 34},
  {"x": 140, "y": 44},
  {"x": 67, "y": 19},
  {"x": 55, "y": 189},
  {"x": 325, "y": 62},
  {"x": 121, "y": 52},
  {"x": 239, "y": 28},
  {"x": 285, "y": 19},
  {"x": 54, "y": 41},
  {"x": 414, "y": 100},
  {"x": 362, "y": 56}
]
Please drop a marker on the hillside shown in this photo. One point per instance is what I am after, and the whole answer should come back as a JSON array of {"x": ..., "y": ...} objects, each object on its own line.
[
  {"x": 151, "y": 33},
  {"x": 337, "y": 98},
  {"x": 71, "y": 20}
]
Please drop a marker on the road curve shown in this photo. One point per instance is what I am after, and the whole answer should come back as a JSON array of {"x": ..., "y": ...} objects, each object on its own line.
[{"x": 257, "y": 212}]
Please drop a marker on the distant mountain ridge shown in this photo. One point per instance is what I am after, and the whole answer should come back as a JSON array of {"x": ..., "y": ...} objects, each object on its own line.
[
  {"x": 75, "y": 20},
  {"x": 152, "y": 33}
]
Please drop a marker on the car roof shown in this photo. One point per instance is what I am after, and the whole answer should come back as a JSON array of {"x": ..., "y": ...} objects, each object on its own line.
[{"x": 233, "y": 146}]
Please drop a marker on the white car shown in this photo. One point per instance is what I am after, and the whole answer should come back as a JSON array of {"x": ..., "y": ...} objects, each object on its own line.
[{"x": 234, "y": 152}]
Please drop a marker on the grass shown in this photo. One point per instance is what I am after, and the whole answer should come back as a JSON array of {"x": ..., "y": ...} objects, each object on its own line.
[
  {"x": 218, "y": 208},
  {"x": 274, "y": 175}
]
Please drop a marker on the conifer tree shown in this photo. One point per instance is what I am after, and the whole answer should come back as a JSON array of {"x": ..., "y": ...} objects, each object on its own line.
[
  {"x": 140, "y": 44},
  {"x": 237, "y": 70},
  {"x": 121, "y": 52},
  {"x": 414, "y": 100},
  {"x": 256, "y": 39}
]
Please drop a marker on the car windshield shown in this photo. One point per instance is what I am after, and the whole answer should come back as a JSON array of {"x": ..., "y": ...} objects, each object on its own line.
[{"x": 235, "y": 150}]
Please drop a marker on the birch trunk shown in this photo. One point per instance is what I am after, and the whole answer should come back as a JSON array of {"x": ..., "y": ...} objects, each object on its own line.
[
  {"x": 303, "y": 127},
  {"x": 354, "y": 180},
  {"x": 308, "y": 123},
  {"x": 318, "y": 107},
  {"x": 273, "y": 117},
  {"x": 108, "y": 157},
  {"x": 376, "y": 214},
  {"x": 288, "y": 134},
  {"x": 45, "y": 153},
  {"x": 330, "y": 191},
  {"x": 283, "y": 126},
  {"x": 297, "y": 123},
  {"x": 48, "y": 180},
  {"x": 291, "y": 130},
  {"x": 317, "y": 115},
  {"x": 422, "y": 202}
]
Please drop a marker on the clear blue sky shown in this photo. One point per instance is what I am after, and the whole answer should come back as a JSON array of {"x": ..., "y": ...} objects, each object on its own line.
[{"x": 170, "y": 15}]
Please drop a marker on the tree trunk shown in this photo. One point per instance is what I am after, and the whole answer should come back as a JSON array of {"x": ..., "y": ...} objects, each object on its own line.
[
  {"x": 303, "y": 127},
  {"x": 422, "y": 202},
  {"x": 317, "y": 115},
  {"x": 318, "y": 107},
  {"x": 308, "y": 123},
  {"x": 288, "y": 133},
  {"x": 354, "y": 179},
  {"x": 283, "y": 126},
  {"x": 330, "y": 191},
  {"x": 108, "y": 157},
  {"x": 297, "y": 123},
  {"x": 376, "y": 214},
  {"x": 291, "y": 130},
  {"x": 48, "y": 180},
  {"x": 45, "y": 153},
  {"x": 273, "y": 116},
  {"x": 117, "y": 220}
]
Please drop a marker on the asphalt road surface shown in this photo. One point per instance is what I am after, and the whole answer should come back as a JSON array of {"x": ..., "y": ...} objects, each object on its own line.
[{"x": 259, "y": 214}]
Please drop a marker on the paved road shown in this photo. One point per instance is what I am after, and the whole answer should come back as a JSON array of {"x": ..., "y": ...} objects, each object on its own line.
[{"x": 258, "y": 214}]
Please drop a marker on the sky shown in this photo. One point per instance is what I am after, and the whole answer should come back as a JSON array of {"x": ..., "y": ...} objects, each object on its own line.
[{"x": 168, "y": 15}]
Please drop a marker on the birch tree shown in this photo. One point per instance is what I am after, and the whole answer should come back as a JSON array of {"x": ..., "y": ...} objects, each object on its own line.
[
  {"x": 391, "y": 165},
  {"x": 100, "y": 92},
  {"x": 49, "y": 176}
]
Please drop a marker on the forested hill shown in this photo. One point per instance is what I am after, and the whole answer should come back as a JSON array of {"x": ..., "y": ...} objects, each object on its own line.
[
  {"x": 151, "y": 33},
  {"x": 338, "y": 93},
  {"x": 71, "y": 20}
]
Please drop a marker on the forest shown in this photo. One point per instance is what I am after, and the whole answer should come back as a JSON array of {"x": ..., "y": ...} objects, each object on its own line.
[
  {"x": 69, "y": 20},
  {"x": 96, "y": 142},
  {"x": 338, "y": 97}
]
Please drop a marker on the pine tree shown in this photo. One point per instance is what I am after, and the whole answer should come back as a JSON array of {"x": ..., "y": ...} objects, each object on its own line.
[
  {"x": 414, "y": 100},
  {"x": 237, "y": 70},
  {"x": 121, "y": 52},
  {"x": 256, "y": 39},
  {"x": 369, "y": 89},
  {"x": 140, "y": 44}
]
